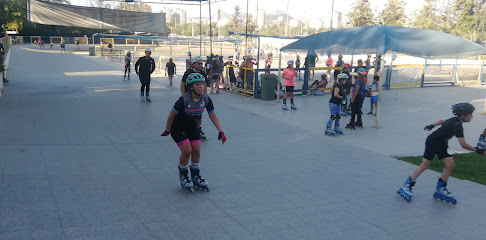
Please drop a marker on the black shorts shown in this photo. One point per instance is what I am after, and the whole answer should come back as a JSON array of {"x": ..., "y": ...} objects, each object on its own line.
[
  {"x": 215, "y": 77},
  {"x": 181, "y": 133},
  {"x": 432, "y": 149},
  {"x": 289, "y": 88}
]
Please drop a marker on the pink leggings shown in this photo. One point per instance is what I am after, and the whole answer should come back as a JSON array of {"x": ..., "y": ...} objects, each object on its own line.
[{"x": 186, "y": 142}]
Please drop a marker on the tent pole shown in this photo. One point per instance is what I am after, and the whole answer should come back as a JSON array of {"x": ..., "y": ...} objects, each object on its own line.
[
  {"x": 389, "y": 74},
  {"x": 200, "y": 28},
  {"x": 454, "y": 74},
  {"x": 423, "y": 73},
  {"x": 378, "y": 104},
  {"x": 210, "y": 31},
  {"x": 255, "y": 89},
  {"x": 279, "y": 74},
  {"x": 481, "y": 72}
]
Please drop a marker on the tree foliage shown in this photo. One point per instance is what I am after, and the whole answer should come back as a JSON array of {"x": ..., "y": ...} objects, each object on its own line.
[
  {"x": 427, "y": 17},
  {"x": 393, "y": 14},
  {"x": 361, "y": 14}
]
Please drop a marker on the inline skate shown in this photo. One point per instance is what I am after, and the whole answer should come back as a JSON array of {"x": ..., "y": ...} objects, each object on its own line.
[
  {"x": 406, "y": 190},
  {"x": 481, "y": 142},
  {"x": 351, "y": 125},
  {"x": 329, "y": 131},
  {"x": 198, "y": 181},
  {"x": 292, "y": 106},
  {"x": 338, "y": 130},
  {"x": 186, "y": 183},
  {"x": 442, "y": 193}
]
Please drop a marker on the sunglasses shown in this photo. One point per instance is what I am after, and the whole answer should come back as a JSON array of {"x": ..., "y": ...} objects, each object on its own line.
[{"x": 199, "y": 63}]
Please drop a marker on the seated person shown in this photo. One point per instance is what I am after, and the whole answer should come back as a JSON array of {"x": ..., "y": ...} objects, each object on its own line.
[{"x": 320, "y": 84}]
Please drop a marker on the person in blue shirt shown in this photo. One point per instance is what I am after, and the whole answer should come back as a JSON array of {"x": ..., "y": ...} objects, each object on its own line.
[
  {"x": 357, "y": 98},
  {"x": 339, "y": 63}
]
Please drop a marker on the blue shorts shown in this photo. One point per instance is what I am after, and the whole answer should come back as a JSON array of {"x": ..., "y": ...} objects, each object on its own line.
[
  {"x": 374, "y": 99},
  {"x": 335, "y": 108}
]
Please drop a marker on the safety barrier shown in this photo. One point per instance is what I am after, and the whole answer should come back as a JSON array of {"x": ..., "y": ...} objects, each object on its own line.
[{"x": 241, "y": 84}]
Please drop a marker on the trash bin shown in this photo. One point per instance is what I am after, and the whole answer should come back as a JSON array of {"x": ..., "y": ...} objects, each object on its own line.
[
  {"x": 268, "y": 86},
  {"x": 91, "y": 51}
]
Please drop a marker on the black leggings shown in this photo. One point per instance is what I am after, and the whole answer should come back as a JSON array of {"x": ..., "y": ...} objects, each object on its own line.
[
  {"x": 356, "y": 107},
  {"x": 127, "y": 68},
  {"x": 145, "y": 84}
]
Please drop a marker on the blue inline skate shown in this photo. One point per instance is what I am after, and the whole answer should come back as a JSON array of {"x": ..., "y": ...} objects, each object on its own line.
[
  {"x": 338, "y": 130},
  {"x": 442, "y": 193},
  {"x": 481, "y": 142},
  {"x": 406, "y": 190},
  {"x": 329, "y": 131},
  {"x": 198, "y": 181},
  {"x": 186, "y": 183},
  {"x": 284, "y": 107},
  {"x": 292, "y": 106}
]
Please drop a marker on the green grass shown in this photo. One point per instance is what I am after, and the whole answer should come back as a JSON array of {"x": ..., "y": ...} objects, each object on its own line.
[{"x": 469, "y": 166}]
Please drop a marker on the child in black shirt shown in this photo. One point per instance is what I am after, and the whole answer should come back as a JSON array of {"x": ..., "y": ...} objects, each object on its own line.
[{"x": 437, "y": 143}]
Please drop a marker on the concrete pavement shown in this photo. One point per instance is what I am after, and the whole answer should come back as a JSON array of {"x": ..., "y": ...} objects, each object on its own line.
[{"x": 81, "y": 158}]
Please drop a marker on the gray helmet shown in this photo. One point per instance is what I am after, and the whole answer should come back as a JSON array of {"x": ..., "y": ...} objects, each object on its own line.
[{"x": 462, "y": 109}]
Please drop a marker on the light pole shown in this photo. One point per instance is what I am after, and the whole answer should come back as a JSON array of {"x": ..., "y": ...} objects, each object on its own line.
[
  {"x": 332, "y": 12},
  {"x": 287, "y": 20}
]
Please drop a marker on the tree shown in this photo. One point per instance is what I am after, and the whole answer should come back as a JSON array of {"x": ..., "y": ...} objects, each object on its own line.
[
  {"x": 361, "y": 15},
  {"x": 427, "y": 17},
  {"x": 13, "y": 14},
  {"x": 236, "y": 20},
  {"x": 393, "y": 14},
  {"x": 468, "y": 21}
]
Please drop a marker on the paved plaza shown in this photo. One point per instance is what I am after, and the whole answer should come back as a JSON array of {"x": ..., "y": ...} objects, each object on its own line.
[{"x": 82, "y": 158}]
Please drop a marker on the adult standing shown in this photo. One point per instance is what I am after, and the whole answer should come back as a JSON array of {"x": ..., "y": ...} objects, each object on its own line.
[
  {"x": 358, "y": 95},
  {"x": 377, "y": 62},
  {"x": 313, "y": 59},
  {"x": 128, "y": 60},
  {"x": 368, "y": 63},
  {"x": 144, "y": 67},
  {"x": 188, "y": 61},
  {"x": 231, "y": 73},
  {"x": 170, "y": 69},
  {"x": 197, "y": 67},
  {"x": 237, "y": 53},
  {"x": 297, "y": 65}
]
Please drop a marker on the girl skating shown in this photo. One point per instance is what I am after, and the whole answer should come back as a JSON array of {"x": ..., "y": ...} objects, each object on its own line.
[
  {"x": 182, "y": 126},
  {"x": 437, "y": 144}
]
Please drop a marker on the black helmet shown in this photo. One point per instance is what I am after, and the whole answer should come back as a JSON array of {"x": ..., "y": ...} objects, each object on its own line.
[{"x": 462, "y": 109}]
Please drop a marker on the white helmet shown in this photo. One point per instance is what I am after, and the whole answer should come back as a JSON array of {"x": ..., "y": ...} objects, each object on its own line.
[
  {"x": 290, "y": 62},
  {"x": 196, "y": 58},
  {"x": 148, "y": 50}
]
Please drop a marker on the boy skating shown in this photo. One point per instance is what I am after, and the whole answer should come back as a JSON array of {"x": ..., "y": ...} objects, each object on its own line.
[{"x": 437, "y": 144}]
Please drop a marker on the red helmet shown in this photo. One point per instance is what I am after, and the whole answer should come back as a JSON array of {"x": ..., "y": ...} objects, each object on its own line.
[{"x": 346, "y": 65}]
